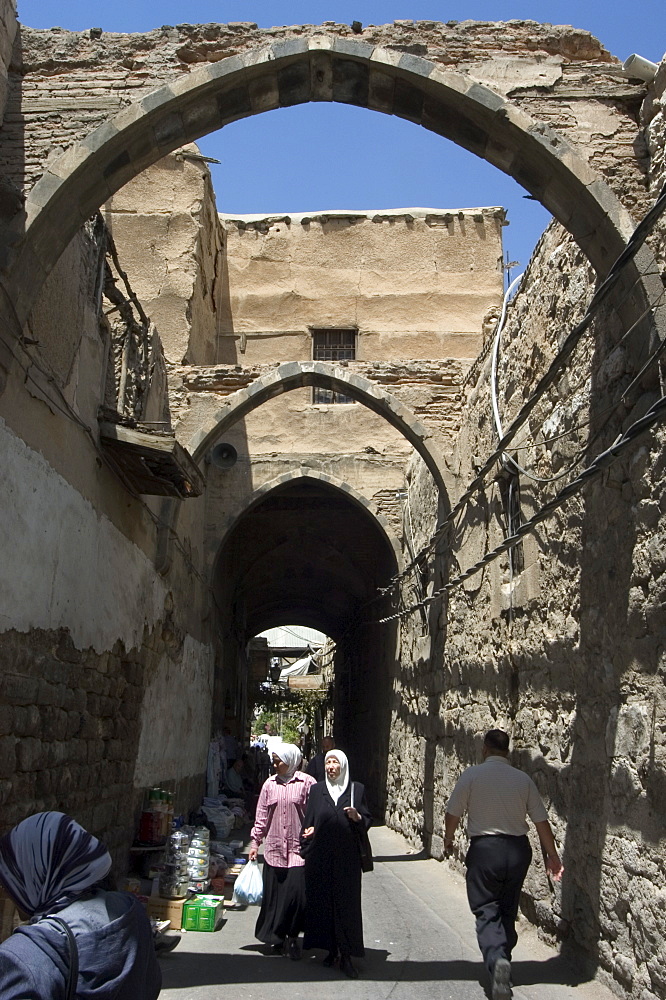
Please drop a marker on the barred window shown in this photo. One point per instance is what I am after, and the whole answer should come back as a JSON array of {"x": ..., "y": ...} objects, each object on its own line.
[{"x": 332, "y": 345}]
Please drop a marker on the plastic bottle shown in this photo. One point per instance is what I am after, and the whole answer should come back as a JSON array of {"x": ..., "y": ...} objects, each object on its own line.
[
  {"x": 164, "y": 814},
  {"x": 146, "y": 825},
  {"x": 156, "y": 805}
]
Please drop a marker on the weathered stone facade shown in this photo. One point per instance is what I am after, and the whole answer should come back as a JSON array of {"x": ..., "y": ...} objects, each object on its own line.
[
  {"x": 564, "y": 77},
  {"x": 451, "y": 88},
  {"x": 567, "y": 653},
  {"x": 125, "y": 618}
]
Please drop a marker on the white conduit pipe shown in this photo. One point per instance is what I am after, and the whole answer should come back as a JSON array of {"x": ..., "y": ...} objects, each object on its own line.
[{"x": 493, "y": 372}]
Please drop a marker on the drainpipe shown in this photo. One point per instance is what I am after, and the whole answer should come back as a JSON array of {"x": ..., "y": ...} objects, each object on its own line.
[{"x": 638, "y": 68}]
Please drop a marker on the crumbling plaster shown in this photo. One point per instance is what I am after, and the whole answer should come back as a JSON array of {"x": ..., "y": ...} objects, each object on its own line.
[
  {"x": 172, "y": 749},
  {"x": 110, "y": 595},
  {"x": 401, "y": 279},
  {"x": 165, "y": 221}
]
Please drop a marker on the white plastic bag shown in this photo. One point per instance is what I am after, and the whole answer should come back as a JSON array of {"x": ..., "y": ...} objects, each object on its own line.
[{"x": 249, "y": 886}]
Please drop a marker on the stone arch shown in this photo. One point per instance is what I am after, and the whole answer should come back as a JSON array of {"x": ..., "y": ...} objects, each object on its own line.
[
  {"x": 303, "y": 472},
  {"x": 296, "y": 375},
  {"x": 320, "y": 67}
]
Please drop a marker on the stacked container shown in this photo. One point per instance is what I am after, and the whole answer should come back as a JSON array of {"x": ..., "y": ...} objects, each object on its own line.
[
  {"x": 174, "y": 880},
  {"x": 198, "y": 860}
]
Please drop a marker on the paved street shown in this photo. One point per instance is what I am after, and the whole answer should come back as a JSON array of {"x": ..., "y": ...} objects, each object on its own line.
[{"x": 419, "y": 939}]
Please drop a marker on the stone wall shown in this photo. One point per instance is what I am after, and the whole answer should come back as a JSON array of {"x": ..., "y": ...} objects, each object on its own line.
[
  {"x": 431, "y": 389},
  {"x": 91, "y": 634},
  {"x": 7, "y": 33},
  {"x": 565, "y": 649},
  {"x": 73, "y": 736}
]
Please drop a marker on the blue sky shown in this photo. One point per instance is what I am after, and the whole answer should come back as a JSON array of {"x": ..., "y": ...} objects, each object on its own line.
[{"x": 321, "y": 156}]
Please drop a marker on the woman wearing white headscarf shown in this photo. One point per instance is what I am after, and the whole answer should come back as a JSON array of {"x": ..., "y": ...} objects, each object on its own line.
[
  {"x": 333, "y": 864},
  {"x": 81, "y": 937},
  {"x": 278, "y": 822}
]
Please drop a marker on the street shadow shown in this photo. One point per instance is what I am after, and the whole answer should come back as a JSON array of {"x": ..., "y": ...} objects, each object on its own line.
[
  {"x": 195, "y": 969},
  {"x": 421, "y": 855}
]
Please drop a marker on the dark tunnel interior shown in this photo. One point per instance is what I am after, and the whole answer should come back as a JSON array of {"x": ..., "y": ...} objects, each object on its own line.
[{"x": 310, "y": 553}]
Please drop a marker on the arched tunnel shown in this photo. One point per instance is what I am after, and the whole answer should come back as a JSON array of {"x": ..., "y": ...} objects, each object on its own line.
[{"x": 308, "y": 552}]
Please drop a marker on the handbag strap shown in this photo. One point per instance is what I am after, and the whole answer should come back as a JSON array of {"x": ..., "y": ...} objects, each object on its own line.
[
  {"x": 73, "y": 972},
  {"x": 352, "y": 794}
]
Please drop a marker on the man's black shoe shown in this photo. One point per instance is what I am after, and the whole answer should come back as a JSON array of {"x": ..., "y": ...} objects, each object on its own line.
[{"x": 502, "y": 980}]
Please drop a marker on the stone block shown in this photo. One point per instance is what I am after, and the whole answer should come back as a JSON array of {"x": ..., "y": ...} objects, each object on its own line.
[
  {"x": 7, "y": 756},
  {"x": 381, "y": 88},
  {"x": 437, "y": 847},
  {"x": 294, "y": 84},
  {"x": 386, "y": 57},
  {"x": 6, "y": 788},
  {"x": 264, "y": 94},
  {"x": 321, "y": 76},
  {"x": 408, "y": 101},
  {"x": 168, "y": 132},
  {"x": 100, "y": 137},
  {"x": 29, "y": 754},
  {"x": 290, "y": 47},
  {"x": 354, "y": 48},
  {"x": 20, "y": 690},
  {"x": 158, "y": 99},
  {"x": 8, "y": 719},
  {"x": 234, "y": 104}
]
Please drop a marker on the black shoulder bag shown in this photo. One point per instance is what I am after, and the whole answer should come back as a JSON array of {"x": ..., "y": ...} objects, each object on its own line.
[
  {"x": 73, "y": 973},
  {"x": 362, "y": 839}
]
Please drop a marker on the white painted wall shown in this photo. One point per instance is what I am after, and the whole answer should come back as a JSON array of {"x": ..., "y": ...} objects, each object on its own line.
[
  {"x": 62, "y": 564},
  {"x": 176, "y": 716}
]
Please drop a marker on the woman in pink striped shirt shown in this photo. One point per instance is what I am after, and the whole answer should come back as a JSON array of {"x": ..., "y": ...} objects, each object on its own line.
[{"x": 278, "y": 822}]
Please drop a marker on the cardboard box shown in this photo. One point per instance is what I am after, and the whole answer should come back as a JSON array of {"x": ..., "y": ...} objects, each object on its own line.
[
  {"x": 166, "y": 909},
  {"x": 203, "y": 913}
]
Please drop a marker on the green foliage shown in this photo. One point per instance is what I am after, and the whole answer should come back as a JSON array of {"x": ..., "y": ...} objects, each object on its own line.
[
  {"x": 290, "y": 733},
  {"x": 266, "y": 717},
  {"x": 283, "y": 709}
]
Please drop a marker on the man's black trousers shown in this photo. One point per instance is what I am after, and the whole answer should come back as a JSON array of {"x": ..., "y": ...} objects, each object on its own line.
[{"x": 496, "y": 869}]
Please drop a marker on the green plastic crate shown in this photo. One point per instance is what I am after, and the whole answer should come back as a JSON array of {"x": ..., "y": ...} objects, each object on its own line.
[{"x": 203, "y": 913}]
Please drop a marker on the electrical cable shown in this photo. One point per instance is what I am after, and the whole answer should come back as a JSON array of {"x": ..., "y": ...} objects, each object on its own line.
[
  {"x": 634, "y": 243},
  {"x": 566, "y": 472},
  {"x": 595, "y": 371},
  {"x": 495, "y": 354},
  {"x": 602, "y": 462}
]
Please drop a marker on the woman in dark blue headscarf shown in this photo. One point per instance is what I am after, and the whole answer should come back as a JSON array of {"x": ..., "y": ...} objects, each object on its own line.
[{"x": 52, "y": 869}]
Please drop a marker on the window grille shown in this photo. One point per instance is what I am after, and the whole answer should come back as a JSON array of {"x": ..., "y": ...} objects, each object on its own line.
[{"x": 332, "y": 345}]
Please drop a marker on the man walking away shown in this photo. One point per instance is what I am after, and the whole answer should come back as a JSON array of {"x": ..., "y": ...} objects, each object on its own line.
[
  {"x": 497, "y": 798},
  {"x": 316, "y": 765}
]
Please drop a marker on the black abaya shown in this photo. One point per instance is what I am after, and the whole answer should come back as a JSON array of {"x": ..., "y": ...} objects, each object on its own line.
[{"x": 333, "y": 918}]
